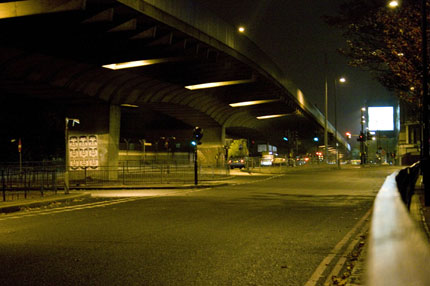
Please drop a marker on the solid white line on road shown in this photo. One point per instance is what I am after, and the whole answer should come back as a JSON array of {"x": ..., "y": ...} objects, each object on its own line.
[
  {"x": 326, "y": 261},
  {"x": 91, "y": 205},
  {"x": 69, "y": 208}
]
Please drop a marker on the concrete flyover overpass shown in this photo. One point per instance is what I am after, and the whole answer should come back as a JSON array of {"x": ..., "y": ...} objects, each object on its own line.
[{"x": 63, "y": 52}]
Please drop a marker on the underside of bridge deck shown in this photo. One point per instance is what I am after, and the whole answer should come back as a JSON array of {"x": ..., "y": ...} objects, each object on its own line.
[{"x": 57, "y": 53}]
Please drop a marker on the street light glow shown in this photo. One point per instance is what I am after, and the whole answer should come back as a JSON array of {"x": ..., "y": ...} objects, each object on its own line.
[
  {"x": 393, "y": 4},
  {"x": 129, "y": 105},
  {"x": 254, "y": 102},
  {"x": 241, "y": 29},
  {"x": 271, "y": 116},
  {"x": 342, "y": 80},
  {"x": 217, "y": 84},
  {"x": 133, "y": 64}
]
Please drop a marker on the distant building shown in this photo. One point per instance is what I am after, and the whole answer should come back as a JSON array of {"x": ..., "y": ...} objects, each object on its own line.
[
  {"x": 409, "y": 144},
  {"x": 383, "y": 126}
]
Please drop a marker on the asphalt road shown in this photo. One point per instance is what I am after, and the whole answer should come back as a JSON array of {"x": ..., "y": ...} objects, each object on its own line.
[{"x": 261, "y": 231}]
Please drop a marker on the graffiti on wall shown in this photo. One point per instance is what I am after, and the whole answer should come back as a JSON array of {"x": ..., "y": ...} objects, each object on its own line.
[{"x": 83, "y": 152}]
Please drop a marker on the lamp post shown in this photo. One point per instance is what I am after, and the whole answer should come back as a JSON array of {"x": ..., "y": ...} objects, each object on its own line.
[
  {"x": 66, "y": 171},
  {"x": 340, "y": 80},
  {"x": 326, "y": 112},
  {"x": 425, "y": 100}
]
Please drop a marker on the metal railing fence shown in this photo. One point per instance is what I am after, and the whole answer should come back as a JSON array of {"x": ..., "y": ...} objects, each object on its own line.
[
  {"x": 24, "y": 181},
  {"x": 147, "y": 172},
  {"x": 38, "y": 178}
]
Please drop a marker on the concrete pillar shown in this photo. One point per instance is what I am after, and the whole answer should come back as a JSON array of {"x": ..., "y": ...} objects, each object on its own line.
[
  {"x": 113, "y": 141},
  {"x": 211, "y": 151}
]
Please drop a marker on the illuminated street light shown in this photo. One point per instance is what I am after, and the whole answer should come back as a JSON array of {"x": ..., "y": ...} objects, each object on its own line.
[
  {"x": 129, "y": 105},
  {"x": 341, "y": 80},
  {"x": 241, "y": 29},
  {"x": 271, "y": 116},
  {"x": 393, "y": 4},
  {"x": 218, "y": 84},
  {"x": 139, "y": 63},
  {"x": 254, "y": 102}
]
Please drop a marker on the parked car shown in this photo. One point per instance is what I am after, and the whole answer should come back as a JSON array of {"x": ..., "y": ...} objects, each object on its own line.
[
  {"x": 236, "y": 163},
  {"x": 266, "y": 160},
  {"x": 278, "y": 161}
]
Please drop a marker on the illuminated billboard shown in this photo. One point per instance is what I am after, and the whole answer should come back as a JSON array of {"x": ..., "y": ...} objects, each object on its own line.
[{"x": 381, "y": 118}]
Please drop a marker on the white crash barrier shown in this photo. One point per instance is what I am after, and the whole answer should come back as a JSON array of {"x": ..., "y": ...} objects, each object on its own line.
[{"x": 398, "y": 253}]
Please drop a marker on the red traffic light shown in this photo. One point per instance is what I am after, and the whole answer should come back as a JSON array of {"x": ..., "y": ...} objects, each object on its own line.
[{"x": 348, "y": 135}]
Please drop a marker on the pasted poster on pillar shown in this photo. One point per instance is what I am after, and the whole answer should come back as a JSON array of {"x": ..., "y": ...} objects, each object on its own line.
[{"x": 83, "y": 152}]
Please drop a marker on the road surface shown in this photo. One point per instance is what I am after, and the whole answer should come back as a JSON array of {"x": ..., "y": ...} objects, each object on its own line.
[{"x": 279, "y": 230}]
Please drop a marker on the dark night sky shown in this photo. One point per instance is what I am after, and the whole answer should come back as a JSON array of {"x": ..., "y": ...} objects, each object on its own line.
[{"x": 294, "y": 35}]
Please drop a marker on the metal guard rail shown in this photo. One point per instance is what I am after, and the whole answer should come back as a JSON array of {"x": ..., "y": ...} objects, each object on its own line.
[{"x": 398, "y": 252}]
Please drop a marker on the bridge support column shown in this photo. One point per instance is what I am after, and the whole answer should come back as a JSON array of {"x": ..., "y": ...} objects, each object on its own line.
[
  {"x": 211, "y": 152},
  {"x": 113, "y": 141}
]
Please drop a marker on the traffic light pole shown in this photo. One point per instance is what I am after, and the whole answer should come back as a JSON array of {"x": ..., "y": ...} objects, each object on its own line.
[
  {"x": 197, "y": 136},
  {"x": 362, "y": 149},
  {"x": 195, "y": 166}
]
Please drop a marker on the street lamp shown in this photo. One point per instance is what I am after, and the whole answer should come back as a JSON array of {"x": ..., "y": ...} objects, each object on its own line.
[
  {"x": 341, "y": 80},
  {"x": 425, "y": 100},
  {"x": 393, "y": 4},
  {"x": 66, "y": 172}
]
